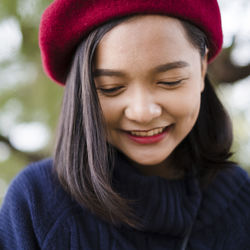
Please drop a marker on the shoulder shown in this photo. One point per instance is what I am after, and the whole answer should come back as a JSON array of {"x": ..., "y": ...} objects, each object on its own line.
[
  {"x": 38, "y": 187},
  {"x": 34, "y": 207},
  {"x": 233, "y": 186},
  {"x": 230, "y": 182},
  {"x": 34, "y": 172},
  {"x": 224, "y": 210},
  {"x": 228, "y": 197},
  {"x": 234, "y": 181},
  {"x": 35, "y": 183},
  {"x": 238, "y": 212}
]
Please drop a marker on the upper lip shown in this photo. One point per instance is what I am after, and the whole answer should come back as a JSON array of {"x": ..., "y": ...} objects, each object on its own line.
[{"x": 143, "y": 130}]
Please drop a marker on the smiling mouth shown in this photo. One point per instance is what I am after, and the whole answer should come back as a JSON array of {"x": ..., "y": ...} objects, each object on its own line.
[{"x": 149, "y": 133}]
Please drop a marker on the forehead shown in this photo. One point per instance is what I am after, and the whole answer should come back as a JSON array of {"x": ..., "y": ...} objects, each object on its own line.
[{"x": 150, "y": 38}]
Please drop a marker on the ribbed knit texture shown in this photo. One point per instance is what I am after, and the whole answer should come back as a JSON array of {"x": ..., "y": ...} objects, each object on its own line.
[{"x": 38, "y": 214}]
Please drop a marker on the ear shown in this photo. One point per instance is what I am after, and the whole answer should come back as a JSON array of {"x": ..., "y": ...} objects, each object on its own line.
[{"x": 204, "y": 65}]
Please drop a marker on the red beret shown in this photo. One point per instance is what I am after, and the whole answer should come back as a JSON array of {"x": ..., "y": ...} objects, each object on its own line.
[{"x": 66, "y": 22}]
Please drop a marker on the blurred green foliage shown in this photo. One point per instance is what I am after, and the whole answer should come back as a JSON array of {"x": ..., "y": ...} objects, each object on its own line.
[{"x": 40, "y": 99}]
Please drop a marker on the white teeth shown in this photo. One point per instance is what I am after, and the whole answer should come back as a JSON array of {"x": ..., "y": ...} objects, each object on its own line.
[{"x": 149, "y": 133}]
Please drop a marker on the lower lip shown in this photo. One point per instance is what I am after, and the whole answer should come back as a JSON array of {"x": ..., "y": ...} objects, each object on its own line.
[{"x": 149, "y": 139}]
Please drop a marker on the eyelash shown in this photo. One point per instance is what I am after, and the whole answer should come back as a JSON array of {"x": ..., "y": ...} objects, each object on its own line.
[
  {"x": 109, "y": 91},
  {"x": 113, "y": 90},
  {"x": 171, "y": 83}
]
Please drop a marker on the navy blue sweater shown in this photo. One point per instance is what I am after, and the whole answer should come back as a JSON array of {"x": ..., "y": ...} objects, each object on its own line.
[{"x": 38, "y": 214}]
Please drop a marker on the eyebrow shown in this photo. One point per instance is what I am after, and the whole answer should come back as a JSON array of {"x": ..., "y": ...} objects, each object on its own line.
[
  {"x": 107, "y": 72},
  {"x": 172, "y": 65},
  {"x": 159, "y": 69}
]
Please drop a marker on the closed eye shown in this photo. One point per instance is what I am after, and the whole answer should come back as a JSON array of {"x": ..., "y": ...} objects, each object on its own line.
[
  {"x": 110, "y": 90},
  {"x": 174, "y": 83}
]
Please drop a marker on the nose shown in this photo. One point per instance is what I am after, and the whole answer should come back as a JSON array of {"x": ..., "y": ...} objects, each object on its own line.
[{"x": 142, "y": 109}]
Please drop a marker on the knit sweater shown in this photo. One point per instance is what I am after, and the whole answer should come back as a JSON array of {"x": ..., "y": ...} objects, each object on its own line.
[{"x": 38, "y": 214}]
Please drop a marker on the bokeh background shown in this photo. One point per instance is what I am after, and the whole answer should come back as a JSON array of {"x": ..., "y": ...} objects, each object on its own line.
[{"x": 30, "y": 102}]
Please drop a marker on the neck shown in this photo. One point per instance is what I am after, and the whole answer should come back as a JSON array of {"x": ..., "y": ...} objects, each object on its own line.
[{"x": 164, "y": 169}]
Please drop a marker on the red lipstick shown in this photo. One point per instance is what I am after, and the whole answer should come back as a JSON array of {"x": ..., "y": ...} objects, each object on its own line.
[{"x": 149, "y": 139}]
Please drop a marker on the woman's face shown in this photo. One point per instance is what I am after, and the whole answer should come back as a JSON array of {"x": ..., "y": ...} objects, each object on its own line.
[{"x": 149, "y": 79}]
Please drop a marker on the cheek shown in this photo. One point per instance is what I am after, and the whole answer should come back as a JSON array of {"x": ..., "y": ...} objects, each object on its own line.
[
  {"x": 185, "y": 106},
  {"x": 111, "y": 111}
]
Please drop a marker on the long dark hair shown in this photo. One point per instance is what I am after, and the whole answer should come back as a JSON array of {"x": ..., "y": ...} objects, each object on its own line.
[{"x": 83, "y": 160}]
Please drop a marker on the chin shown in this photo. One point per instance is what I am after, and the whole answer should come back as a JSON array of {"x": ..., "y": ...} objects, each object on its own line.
[{"x": 149, "y": 162}]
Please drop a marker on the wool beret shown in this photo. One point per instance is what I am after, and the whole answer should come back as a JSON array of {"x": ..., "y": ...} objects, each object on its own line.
[{"x": 65, "y": 23}]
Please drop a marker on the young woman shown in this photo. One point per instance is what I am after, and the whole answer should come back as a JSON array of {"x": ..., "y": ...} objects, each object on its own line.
[{"x": 142, "y": 154}]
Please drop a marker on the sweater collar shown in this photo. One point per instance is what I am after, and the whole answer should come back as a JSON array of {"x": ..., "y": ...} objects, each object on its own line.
[
  {"x": 164, "y": 206},
  {"x": 172, "y": 207}
]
